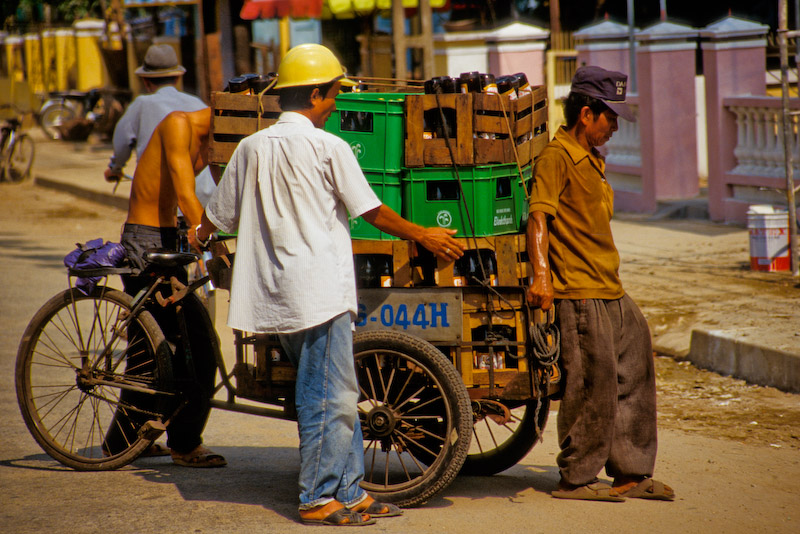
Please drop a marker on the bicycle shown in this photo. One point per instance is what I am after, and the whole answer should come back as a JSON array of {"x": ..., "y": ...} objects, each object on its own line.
[
  {"x": 16, "y": 150},
  {"x": 83, "y": 358}
]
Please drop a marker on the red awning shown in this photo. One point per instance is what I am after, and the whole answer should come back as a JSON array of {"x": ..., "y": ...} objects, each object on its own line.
[{"x": 268, "y": 9}]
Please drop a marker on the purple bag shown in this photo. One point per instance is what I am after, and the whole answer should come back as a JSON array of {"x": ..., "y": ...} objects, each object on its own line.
[{"x": 91, "y": 255}]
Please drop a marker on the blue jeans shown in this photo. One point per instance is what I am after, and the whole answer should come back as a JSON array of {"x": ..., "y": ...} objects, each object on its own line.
[{"x": 326, "y": 396}]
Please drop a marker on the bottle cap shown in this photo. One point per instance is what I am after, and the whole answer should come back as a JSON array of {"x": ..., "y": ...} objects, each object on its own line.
[
  {"x": 238, "y": 84},
  {"x": 449, "y": 85}
]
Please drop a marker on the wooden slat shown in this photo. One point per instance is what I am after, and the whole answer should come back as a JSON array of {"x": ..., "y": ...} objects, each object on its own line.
[
  {"x": 401, "y": 263},
  {"x": 368, "y": 246},
  {"x": 506, "y": 254},
  {"x": 220, "y": 153}
]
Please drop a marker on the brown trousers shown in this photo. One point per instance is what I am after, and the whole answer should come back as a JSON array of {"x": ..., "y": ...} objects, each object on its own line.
[{"x": 607, "y": 416}]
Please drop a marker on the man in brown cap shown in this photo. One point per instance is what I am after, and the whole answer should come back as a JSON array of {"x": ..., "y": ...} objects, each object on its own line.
[{"x": 607, "y": 416}]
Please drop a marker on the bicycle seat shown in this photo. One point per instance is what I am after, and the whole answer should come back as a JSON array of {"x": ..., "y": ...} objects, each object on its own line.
[{"x": 169, "y": 258}]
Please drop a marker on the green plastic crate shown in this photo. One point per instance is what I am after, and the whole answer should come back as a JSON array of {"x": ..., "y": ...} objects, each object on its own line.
[
  {"x": 388, "y": 188},
  {"x": 373, "y": 125},
  {"x": 431, "y": 197}
]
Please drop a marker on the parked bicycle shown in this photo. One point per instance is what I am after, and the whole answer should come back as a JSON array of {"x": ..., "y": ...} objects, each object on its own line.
[
  {"x": 82, "y": 357},
  {"x": 16, "y": 150}
]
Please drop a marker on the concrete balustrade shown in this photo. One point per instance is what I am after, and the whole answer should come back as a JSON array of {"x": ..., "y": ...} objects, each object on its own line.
[
  {"x": 742, "y": 123},
  {"x": 656, "y": 159}
]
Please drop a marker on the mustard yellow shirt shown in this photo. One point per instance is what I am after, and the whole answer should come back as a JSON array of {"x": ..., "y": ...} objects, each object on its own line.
[{"x": 571, "y": 188}]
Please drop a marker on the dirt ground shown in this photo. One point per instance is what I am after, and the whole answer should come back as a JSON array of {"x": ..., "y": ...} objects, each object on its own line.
[
  {"x": 696, "y": 400},
  {"x": 691, "y": 274}
]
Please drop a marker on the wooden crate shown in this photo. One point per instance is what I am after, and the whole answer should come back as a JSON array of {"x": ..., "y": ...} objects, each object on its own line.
[
  {"x": 516, "y": 129},
  {"x": 234, "y": 117},
  {"x": 413, "y": 266}
]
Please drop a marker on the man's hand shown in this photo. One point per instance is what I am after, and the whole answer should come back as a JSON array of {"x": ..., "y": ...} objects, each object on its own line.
[
  {"x": 201, "y": 232},
  {"x": 540, "y": 292},
  {"x": 112, "y": 175},
  {"x": 440, "y": 241}
]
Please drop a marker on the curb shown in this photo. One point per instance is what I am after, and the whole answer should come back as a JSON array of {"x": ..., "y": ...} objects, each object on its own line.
[{"x": 724, "y": 352}]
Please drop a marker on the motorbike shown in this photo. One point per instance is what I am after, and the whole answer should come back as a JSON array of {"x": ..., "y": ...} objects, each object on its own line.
[{"x": 73, "y": 115}]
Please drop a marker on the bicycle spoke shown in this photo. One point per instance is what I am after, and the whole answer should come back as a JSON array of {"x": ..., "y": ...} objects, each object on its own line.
[{"x": 425, "y": 403}]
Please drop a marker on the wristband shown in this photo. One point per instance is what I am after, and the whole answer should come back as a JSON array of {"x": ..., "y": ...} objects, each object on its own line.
[{"x": 203, "y": 244}]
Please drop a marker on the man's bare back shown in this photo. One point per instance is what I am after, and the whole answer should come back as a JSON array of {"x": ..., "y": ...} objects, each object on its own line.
[{"x": 164, "y": 177}]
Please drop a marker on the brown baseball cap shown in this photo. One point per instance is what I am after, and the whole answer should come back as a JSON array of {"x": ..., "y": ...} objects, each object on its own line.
[
  {"x": 160, "y": 61},
  {"x": 605, "y": 85}
]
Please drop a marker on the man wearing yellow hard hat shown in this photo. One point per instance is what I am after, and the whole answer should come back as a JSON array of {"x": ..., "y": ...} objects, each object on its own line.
[{"x": 287, "y": 191}]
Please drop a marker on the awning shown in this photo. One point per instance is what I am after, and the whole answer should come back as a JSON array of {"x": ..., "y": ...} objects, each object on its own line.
[
  {"x": 267, "y": 9},
  {"x": 273, "y": 9}
]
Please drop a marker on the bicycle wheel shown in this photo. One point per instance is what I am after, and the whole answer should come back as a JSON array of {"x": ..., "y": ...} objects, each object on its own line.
[
  {"x": 415, "y": 415},
  {"x": 81, "y": 367},
  {"x": 20, "y": 159},
  {"x": 503, "y": 437},
  {"x": 54, "y": 114}
]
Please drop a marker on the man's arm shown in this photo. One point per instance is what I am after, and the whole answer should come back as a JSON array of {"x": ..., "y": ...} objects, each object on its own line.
[
  {"x": 437, "y": 240},
  {"x": 176, "y": 135},
  {"x": 540, "y": 292},
  {"x": 124, "y": 139}
]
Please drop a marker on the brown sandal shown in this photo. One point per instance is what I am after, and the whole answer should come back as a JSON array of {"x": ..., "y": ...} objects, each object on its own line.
[
  {"x": 594, "y": 491},
  {"x": 377, "y": 509},
  {"x": 199, "y": 457},
  {"x": 650, "y": 489},
  {"x": 339, "y": 517}
]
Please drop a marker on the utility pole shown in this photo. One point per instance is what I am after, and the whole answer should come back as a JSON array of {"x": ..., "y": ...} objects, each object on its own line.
[
  {"x": 788, "y": 135},
  {"x": 632, "y": 49},
  {"x": 555, "y": 17}
]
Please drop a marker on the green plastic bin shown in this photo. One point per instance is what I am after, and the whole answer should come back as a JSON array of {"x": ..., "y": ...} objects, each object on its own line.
[
  {"x": 388, "y": 188},
  {"x": 373, "y": 125},
  {"x": 431, "y": 197}
]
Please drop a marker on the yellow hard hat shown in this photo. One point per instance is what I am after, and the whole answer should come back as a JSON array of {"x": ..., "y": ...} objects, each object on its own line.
[{"x": 310, "y": 64}]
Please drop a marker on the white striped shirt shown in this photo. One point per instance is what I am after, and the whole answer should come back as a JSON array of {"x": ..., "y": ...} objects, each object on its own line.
[{"x": 287, "y": 190}]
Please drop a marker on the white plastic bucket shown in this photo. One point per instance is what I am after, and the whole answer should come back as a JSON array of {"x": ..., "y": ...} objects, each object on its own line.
[{"x": 769, "y": 238}]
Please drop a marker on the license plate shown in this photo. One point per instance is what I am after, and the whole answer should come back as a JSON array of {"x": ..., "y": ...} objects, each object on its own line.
[{"x": 430, "y": 314}]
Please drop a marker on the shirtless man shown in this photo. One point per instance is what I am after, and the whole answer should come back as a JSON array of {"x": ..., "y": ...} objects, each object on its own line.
[
  {"x": 164, "y": 178},
  {"x": 164, "y": 181}
]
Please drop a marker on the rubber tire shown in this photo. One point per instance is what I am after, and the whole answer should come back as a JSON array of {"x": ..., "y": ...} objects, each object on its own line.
[
  {"x": 55, "y": 113},
  {"x": 45, "y": 363},
  {"x": 514, "y": 448},
  {"x": 20, "y": 159},
  {"x": 453, "y": 418}
]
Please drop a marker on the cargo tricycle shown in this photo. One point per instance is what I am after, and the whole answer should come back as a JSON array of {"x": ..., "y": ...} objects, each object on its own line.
[{"x": 456, "y": 372}]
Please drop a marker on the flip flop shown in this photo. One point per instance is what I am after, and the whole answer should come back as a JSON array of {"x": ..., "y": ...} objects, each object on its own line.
[
  {"x": 341, "y": 517},
  {"x": 199, "y": 457},
  {"x": 377, "y": 509},
  {"x": 594, "y": 491},
  {"x": 650, "y": 489}
]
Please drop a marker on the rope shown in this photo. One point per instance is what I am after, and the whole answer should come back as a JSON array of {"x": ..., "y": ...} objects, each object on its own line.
[
  {"x": 261, "y": 103},
  {"x": 545, "y": 348}
]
